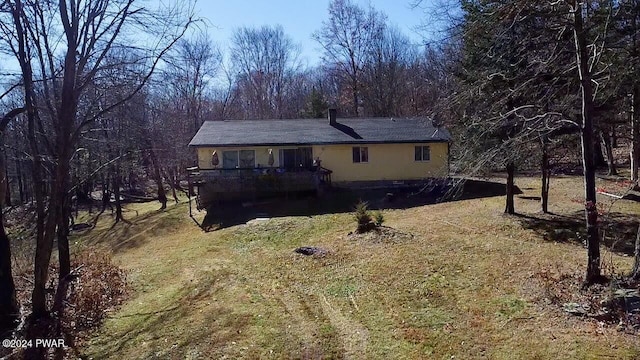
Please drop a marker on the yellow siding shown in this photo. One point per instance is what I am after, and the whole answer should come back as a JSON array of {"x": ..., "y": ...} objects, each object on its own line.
[{"x": 386, "y": 162}]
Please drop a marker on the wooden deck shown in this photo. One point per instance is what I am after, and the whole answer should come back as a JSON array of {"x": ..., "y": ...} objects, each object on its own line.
[{"x": 216, "y": 185}]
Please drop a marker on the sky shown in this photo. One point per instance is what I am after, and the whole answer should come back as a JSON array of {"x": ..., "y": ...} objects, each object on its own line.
[{"x": 299, "y": 19}]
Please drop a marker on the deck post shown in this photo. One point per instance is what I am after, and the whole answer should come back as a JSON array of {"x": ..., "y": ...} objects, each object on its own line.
[{"x": 190, "y": 193}]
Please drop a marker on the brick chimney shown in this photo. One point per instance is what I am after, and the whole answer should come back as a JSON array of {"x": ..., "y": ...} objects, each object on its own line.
[{"x": 332, "y": 116}]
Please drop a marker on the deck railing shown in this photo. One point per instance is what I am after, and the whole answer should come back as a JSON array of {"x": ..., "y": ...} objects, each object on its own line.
[{"x": 234, "y": 183}]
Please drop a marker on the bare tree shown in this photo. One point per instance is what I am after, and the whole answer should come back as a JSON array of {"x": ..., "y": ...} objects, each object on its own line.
[
  {"x": 183, "y": 90},
  {"x": 88, "y": 31},
  {"x": 347, "y": 38},
  {"x": 583, "y": 60},
  {"x": 8, "y": 303},
  {"x": 266, "y": 60},
  {"x": 386, "y": 73},
  {"x": 193, "y": 65},
  {"x": 225, "y": 95}
]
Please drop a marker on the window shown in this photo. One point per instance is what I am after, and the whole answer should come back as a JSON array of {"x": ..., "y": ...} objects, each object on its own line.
[
  {"x": 239, "y": 159},
  {"x": 422, "y": 153},
  {"x": 230, "y": 159},
  {"x": 292, "y": 159},
  {"x": 360, "y": 154}
]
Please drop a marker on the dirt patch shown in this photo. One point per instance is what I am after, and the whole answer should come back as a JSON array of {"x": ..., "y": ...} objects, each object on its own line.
[
  {"x": 614, "y": 303},
  {"x": 382, "y": 234}
]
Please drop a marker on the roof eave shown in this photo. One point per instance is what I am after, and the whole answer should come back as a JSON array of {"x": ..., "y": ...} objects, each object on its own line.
[{"x": 324, "y": 143}]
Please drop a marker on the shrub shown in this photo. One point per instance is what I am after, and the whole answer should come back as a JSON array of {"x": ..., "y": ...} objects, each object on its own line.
[
  {"x": 363, "y": 217},
  {"x": 378, "y": 218},
  {"x": 99, "y": 287},
  {"x": 362, "y": 213}
]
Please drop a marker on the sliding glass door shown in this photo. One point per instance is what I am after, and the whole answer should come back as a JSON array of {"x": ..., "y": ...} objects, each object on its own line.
[{"x": 294, "y": 159}]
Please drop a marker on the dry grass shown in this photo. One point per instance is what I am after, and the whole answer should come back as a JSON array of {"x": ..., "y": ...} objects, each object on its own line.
[{"x": 465, "y": 285}]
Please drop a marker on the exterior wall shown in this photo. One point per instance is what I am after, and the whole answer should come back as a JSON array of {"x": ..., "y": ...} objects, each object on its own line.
[
  {"x": 386, "y": 162},
  {"x": 262, "y": 155}
]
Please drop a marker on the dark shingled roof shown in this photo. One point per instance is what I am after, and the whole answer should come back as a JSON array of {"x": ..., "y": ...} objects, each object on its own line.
[{"x": 317, "y": 132}]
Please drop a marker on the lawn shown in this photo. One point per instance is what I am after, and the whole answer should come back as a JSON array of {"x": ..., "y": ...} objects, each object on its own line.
[{"x": 465, "y": 284}]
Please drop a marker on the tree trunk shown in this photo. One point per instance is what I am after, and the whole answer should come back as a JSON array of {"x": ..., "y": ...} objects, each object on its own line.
[
  {"x": 608, "y": 148},
  {"x": 355, "y": 88},
  {"x": 89, "y": 194},
  {"x": 43, "y": 250},
  {"x": 8, "y": 303},
  {"x": 43, "y": 245},
  {"x": 635, "y": 132},
  {"x": 19, "y": 176},
  {"x": 544, "y": 167},
  {"x": 116, "y": 194},
  {"x": 43, "y": 253},
  {"x": 65, "y": 116},
  {"x": 64, "y": 257},
  {"x": 106, "y": 201},
  {"x": 591, "y": 213},
  {"x": 635, "y": 272},
  {"x": 7, "y": 198},
  {"x": 598, "y": 156},
  {"x": 75, "y": 207},
  {"x": 172, "y": 182},
  {"x": 162, "y": 196},
  {"x": 510, "y": 208},
  {"x": 355, "y": 100},
  {"x": 63, "y": 151}
]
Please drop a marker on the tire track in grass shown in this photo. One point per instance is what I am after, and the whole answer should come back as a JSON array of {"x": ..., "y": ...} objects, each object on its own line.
[
  {"x": 354, "y": 336},
  {"x": 304, "y": 326},
  {"x": 316, "y": 335}
]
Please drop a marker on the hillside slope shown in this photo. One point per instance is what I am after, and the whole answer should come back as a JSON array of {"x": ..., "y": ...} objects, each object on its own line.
[{"x": 463, "y": 281}]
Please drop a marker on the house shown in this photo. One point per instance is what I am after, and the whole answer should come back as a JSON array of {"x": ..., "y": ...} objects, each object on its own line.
[{"x": 249, "y": 157}]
